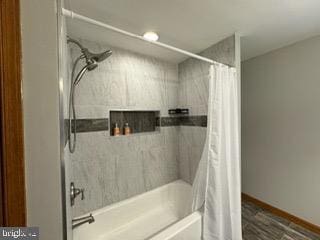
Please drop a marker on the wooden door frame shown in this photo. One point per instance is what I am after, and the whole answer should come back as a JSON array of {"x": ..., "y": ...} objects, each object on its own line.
[{"x": 12, "y": 175}]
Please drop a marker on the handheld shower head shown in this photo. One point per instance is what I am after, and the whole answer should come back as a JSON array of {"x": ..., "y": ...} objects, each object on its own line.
[{"x": 91, "y": 58}]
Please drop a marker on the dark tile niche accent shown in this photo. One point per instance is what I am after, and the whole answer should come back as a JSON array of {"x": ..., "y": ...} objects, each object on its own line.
[
  {"x": 91, "y": 125},
  {"x": 199, "y": 121},
  {"x": 196, "y": 121},
  {"x": 169, "y": 121},
  {"x": 86, "y": 125},
  {"x": 139, "y": 121},
  {"x": 149, "y": 121}
]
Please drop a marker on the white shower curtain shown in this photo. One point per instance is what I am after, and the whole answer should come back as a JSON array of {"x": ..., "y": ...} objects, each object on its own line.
[{"x": 217, "y": 186}]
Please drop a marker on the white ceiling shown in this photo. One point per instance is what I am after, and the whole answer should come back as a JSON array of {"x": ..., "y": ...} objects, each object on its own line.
[{"x": 194, "y": 25}]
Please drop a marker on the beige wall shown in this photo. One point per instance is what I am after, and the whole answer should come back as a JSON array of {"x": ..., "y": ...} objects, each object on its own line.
[
  {"x": 41, "y": 121},
  {"x": 281, "y": 129}
]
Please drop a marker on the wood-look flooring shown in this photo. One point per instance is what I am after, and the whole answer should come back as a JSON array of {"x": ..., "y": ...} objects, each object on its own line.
[{"x": 259, "y": 224}]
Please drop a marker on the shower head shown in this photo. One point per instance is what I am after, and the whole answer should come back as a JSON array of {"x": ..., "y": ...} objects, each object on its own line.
[{"x": 91, "y": 58}]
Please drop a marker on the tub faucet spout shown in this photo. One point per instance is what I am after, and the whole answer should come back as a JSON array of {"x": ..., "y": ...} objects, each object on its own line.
[{"x": 76, "y": 222}]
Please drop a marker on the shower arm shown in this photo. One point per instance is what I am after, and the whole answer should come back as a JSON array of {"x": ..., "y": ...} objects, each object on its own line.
[
  {"x": 85, "y": 52},
  {"x": 70, "y": 40}
]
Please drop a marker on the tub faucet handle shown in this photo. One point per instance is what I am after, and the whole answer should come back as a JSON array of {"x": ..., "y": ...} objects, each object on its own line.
[
  {"x": 74, "y": 192},
  {"x": 82, "y": 193}
]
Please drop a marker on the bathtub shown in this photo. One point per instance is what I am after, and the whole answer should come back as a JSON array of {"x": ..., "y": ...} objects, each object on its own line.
[{"x": 160, "y": 214}]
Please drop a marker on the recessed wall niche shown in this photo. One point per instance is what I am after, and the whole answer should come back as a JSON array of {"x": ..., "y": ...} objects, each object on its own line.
[{"x": 139, "y": 121}]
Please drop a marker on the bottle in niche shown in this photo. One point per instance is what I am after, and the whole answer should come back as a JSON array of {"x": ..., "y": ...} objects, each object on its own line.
[
  {"x": 116, "y": 130},
  {"x": 126, "y": 129}
]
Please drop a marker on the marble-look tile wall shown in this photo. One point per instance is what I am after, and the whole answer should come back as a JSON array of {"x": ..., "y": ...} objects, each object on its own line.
[
  {"x": 191, "y": 142},
  {"x": 193, "y": 94},
  {"x": 125, "y": 80},
  {"x": 115, "y": 168},
  {"x": 111, "y": 169}
]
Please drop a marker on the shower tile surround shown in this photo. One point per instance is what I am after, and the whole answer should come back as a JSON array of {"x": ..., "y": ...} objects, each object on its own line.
[{"x": 111, "y": 169}]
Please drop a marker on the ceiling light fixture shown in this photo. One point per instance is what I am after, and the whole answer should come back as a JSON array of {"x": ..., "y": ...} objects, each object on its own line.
[{"x": 151, "y": 36}]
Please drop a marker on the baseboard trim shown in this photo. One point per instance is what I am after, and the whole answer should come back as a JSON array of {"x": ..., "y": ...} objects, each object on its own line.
[{"x": 310, "y": 226}]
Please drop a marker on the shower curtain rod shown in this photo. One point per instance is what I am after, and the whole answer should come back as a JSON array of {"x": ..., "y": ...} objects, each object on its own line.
[{"x": 74, "y": 15}]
